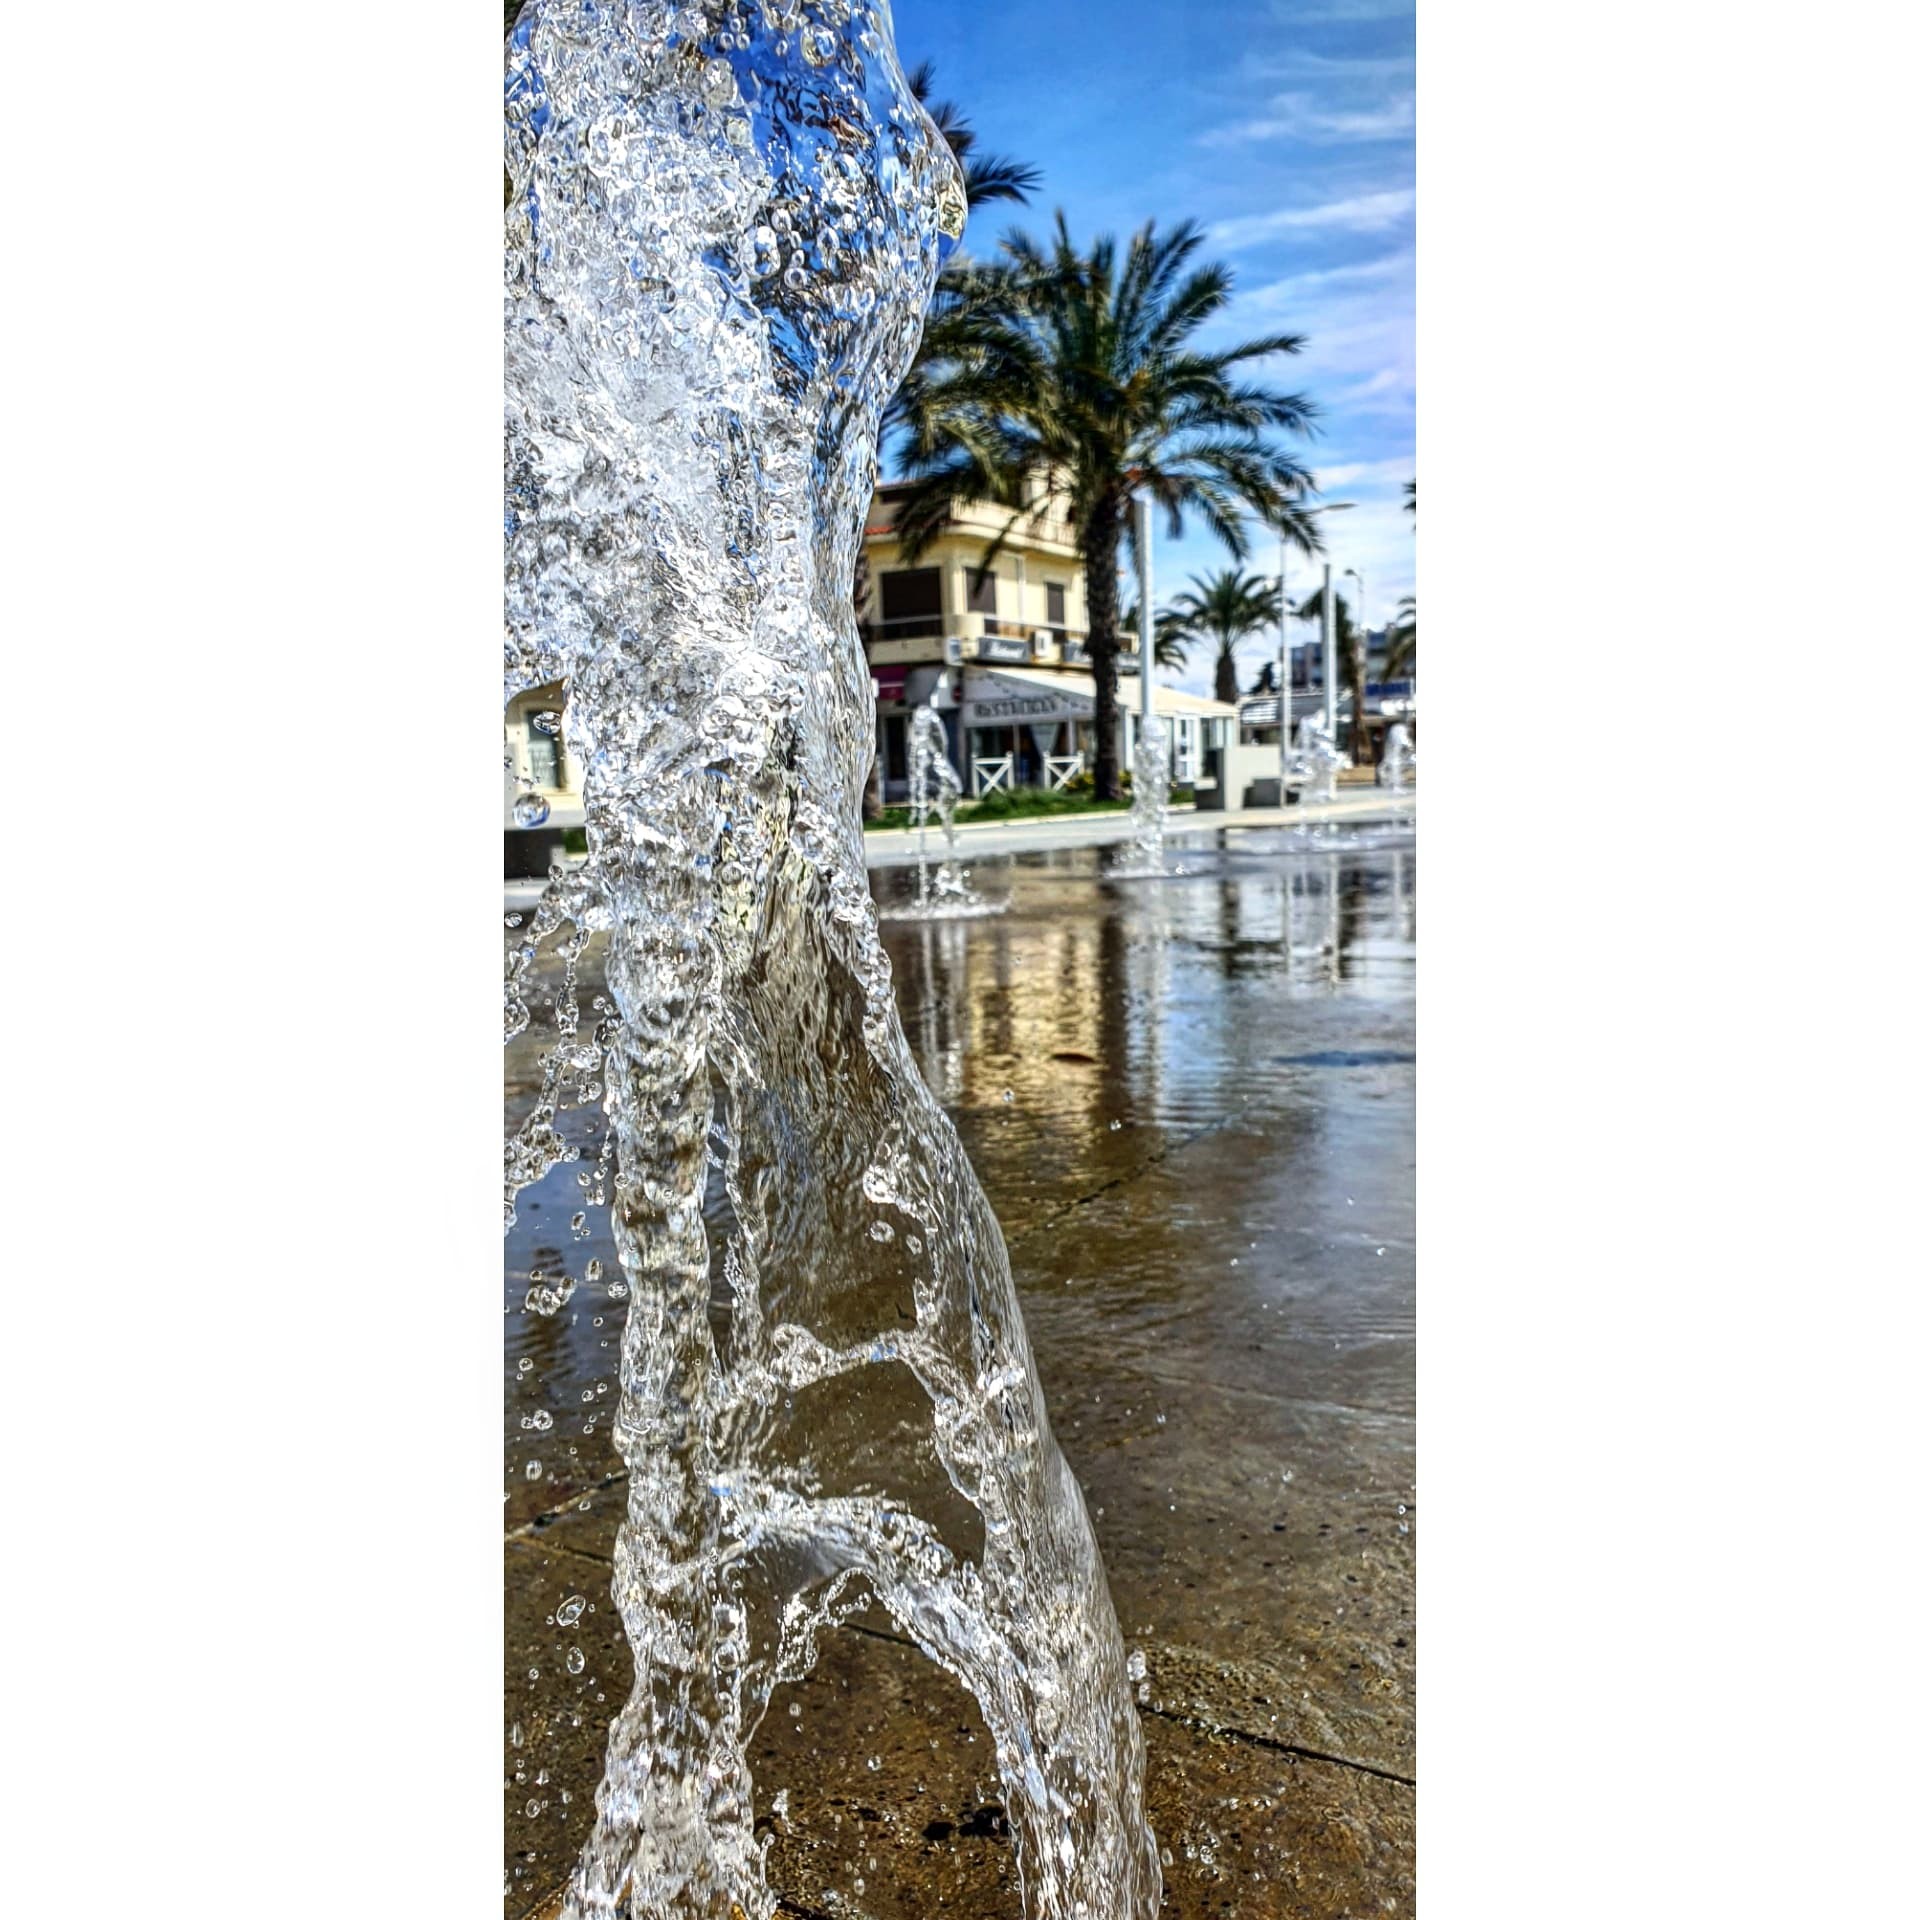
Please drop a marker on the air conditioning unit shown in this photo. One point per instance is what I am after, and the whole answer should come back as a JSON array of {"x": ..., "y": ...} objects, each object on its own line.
[{"x": 953, "y": 649}]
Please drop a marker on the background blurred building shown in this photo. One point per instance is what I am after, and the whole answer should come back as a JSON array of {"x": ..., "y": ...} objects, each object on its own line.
[{"x": 994, "y": 637}]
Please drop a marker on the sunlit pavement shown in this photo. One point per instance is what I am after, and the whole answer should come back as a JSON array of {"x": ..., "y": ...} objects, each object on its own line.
[{"x": 1205, "y": 1178}]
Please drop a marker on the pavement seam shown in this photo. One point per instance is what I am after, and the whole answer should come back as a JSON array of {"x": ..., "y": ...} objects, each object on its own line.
[
  {"x": 1153, "y": 1160},
  {"x": 528, "y": 1529},
  {"x": 1275, "y": 1746},
  {"x": 1200, "y": 1725}
]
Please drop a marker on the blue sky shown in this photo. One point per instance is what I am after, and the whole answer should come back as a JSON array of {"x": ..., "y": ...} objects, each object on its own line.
[{"x": 1286, "y": 130}]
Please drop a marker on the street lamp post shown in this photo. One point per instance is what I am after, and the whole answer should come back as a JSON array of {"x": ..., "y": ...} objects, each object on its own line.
[
  {"x": 1286, "y": 675},
  {"x": 1359, "y": 692},
  {"x": 1286, "y": 650},
  {"x": 1143, "y": 553},
  {"x": 1329, "y": 665}
]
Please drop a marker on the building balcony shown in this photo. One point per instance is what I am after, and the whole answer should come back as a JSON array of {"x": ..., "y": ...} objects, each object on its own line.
[{"x": 922, "y": 639}]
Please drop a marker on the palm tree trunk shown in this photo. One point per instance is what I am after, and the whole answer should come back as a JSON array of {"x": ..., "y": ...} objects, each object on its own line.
[
  {"x": 872, "y": 800},
  {"x": 1226, "y": 682},
  {"x": 1101, "y": 552}
]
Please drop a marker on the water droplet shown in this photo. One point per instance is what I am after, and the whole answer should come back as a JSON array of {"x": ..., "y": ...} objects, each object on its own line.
[
  {"x": 1136, "y": 1666},
  {"x": 530, "y": 810},
  {"x": 547, "y": 722},
  {"x": 1007, "y": 1095},
  {"x": 576, "y": 1660},
  {"x": 534, "y": 1469},
  {"x": 880, "y": 1231},
  {"x": 571, "y": 1609}
]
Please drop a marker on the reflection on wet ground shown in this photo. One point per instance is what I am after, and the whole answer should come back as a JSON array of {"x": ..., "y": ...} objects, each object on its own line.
[{"x": 1191, "y": 1102}]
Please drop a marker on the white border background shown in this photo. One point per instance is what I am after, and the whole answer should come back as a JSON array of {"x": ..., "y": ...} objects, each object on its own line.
[{"x": 1666, "y": 1128}]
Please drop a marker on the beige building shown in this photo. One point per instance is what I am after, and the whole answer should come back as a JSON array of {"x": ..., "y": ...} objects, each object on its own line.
[
  {"x": 538, "y": 761},
  {"x": 996, "y": 641}
]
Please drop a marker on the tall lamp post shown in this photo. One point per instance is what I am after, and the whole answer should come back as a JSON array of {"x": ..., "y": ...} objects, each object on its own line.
[
  {"x": 1286, "y": 651},
  {"x": 1143, "y": 553},
  {"x": 1360, "y": 615}
]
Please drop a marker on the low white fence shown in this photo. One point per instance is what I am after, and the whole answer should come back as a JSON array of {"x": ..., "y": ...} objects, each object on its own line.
[{"x": 989, "y": 774}]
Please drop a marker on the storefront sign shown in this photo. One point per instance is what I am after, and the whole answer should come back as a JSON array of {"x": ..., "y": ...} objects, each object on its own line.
[{"x": 994, "y": 701}]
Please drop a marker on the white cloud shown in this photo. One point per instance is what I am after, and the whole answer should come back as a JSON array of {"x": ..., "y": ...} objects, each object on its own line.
[
  {"x": 1294, "y": 116},
  {"x": 1295, "y": 61},
  {"x": 1358, "y": 321},
  {"x": 1359, "y": 213},
  {"x": 1388, "y": 266},
  {"x": 1365, "y": 473},
  {"x": 1296, "y": 13}
]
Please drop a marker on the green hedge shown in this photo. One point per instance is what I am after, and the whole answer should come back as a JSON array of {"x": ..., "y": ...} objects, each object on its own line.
[{"x": 1028, "y": 803}]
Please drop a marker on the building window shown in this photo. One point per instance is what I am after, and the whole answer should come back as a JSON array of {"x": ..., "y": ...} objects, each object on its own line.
[
  {"x": 910, "y": 603},
  {"x": 543, "y": 758},
  {"x": 1056, "y": 603}
]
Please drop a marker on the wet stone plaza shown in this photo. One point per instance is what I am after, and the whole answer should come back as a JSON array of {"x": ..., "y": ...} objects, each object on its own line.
[{"x": 1190, "y": 1101}]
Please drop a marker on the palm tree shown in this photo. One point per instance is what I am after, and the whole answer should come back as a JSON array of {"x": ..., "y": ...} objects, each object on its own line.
[
  {"x": 1226, "y": 607},
  {"x": 1349, "y": 637},
  {"x": 989, "y": 177},
  {"x": 1078, "y": 382},
  {"x": 953, "y": 318},
  {"x": 1170, "y": 635},
  {"x": 1399, "y": 641}
]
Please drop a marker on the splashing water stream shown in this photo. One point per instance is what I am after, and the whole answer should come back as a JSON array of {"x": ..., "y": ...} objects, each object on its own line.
[
  {"x": 1398, "y": 760},
  {"x": 1145, "y": 854},
  {"x": 724, "y": 225},
  {"x": 1317, "y": 760},
  {"x": 945, "y": 892}
]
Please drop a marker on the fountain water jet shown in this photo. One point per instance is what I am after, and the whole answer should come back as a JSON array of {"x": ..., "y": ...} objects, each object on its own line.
[
  {"x": 1317, "y": 760},
  {"x": 945, "y": 892},
  {"x": 1398, "y": 760},
  {"x": 724, "y": 226},
  {"x": 1145, "y": 855}
]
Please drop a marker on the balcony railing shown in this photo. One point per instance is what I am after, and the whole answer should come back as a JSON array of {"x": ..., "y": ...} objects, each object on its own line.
[{"x": 1046, "y": 639}]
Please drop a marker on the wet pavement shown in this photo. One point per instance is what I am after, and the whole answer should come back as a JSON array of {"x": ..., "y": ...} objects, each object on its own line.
[{"x": 1205, "y": 1178}]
